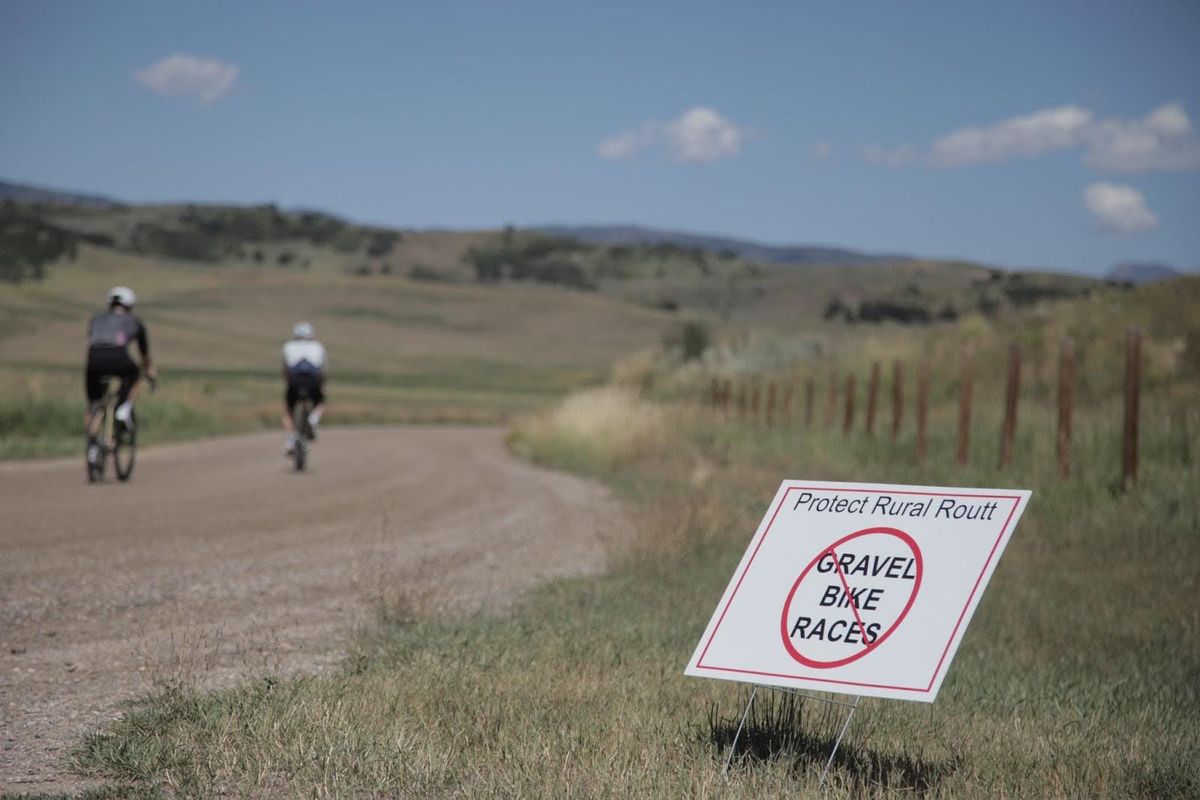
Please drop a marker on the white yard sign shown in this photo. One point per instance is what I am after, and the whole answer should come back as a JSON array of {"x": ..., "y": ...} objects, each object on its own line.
[{"x": 859, "y": 588}]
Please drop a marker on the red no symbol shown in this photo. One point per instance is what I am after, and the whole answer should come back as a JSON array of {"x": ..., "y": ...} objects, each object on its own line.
[{"x": 832, "y": 551}]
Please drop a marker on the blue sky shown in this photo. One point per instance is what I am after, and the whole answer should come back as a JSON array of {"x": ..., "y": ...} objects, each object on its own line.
[{"x": 1058, "y": 134}]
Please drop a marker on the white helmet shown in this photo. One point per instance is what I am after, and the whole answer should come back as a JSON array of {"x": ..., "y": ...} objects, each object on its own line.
[
  {"x": 121, "y": 295},
  {"x": 303, "y": 330}
]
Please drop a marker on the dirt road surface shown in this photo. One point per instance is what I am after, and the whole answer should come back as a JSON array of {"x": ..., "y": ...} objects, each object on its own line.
[{"x": 217, "y": 563}]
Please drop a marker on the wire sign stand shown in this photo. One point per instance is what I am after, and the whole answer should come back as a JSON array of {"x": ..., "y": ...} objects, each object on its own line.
[{"x": 836, "y": 744}]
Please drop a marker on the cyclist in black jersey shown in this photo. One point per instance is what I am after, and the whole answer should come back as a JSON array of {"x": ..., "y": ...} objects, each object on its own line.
[{"x": 109, "y": 335}]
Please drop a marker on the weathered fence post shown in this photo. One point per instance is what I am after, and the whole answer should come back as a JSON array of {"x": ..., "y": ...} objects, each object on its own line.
[
  {"x": 714, "y": 392},
  {"x": 848, "y": 419},
  {"x": 785, "y": 404},
  {"x": 872, "y": 398},
  {"x": 810, "y": 389},
  {"x": 831, "y": 402},
  {"x": 922, "y": 411},
  {"x": 897, "y": 397},
  {"x": 755, "y": 400},
  {"x": 741, "y": 401},
  {"x": 1066, "y": 401},
  {"x": 770, "y": 404},
  {"x": 1133, "y": 391},
  {"x": 1012, "y": 389},
  {"x": 965, "y": 386}
]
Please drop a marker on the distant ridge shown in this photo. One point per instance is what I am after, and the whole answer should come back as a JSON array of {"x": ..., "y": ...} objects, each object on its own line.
[
  {"x": 1142, "y": 272},
  {"x": 751, "y": 251},
  {"x": 23, "y": 193}
]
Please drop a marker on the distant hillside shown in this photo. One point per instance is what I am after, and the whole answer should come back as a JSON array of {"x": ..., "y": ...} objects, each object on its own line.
[
  {"x": 1141, "y": 272},
  {"x": 731, "y": 280},
  {"x": 750, "y": 251},
  {"x": 21, "y": 193}
]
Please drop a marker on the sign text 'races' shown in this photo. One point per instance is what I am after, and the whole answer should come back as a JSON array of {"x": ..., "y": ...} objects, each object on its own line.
[
  {"x": 887, "y": 505},
  {"x": 851, "y": 597}
]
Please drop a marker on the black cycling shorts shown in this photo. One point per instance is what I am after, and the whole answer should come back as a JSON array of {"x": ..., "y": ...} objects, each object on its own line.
[
  {"x": 312, "y": 385},
  {"x": 106, "y": 362}
]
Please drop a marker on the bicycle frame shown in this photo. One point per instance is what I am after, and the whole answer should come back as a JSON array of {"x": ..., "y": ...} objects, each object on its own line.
[{"x": 106, "y": 439}]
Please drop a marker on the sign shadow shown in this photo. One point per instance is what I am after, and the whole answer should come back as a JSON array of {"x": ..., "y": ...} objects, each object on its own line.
[{"x": 783, "y": 727}]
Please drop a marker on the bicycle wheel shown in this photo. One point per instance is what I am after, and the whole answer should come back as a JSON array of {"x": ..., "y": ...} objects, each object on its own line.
[
  {"x": 299, "y": 426},
  {"x": 93, "y": 453},
  {"x": 124, "y": 450}
]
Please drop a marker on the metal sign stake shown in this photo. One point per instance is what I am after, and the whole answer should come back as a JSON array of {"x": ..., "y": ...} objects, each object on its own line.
[{"x": 836, "y": 744}]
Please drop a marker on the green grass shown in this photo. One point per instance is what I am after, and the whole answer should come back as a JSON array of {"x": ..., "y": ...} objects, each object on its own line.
[
  {"x": 41, "y": 404},
  {"x": 1079, "y": 677}
]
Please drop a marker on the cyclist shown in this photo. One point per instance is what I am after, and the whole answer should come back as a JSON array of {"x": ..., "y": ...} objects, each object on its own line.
[
  {"x": 109, "y": 335},
  {"x": 303, "y": 372}
]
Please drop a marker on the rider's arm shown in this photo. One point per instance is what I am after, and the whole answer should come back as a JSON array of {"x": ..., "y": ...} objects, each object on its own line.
[{"x": 143, "y": 344}]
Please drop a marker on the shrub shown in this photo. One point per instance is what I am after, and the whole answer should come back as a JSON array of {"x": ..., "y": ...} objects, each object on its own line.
[{"x": 595, "y": 429}]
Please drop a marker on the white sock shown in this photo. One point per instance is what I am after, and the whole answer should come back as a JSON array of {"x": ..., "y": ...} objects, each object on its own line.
[
  {"x": 314, "y": 417},
  {"x": 125, "y": 411}
]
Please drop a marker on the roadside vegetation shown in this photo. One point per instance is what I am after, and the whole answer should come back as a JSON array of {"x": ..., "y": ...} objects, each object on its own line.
[
  {"x": 400, "y": 350},
  {"x": 1079, "y": 676}
]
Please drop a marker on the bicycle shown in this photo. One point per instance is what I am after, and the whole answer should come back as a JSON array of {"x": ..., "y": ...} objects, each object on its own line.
[
  {"x": 302, "y": 428},
  {"x": 106, "y": 435}
]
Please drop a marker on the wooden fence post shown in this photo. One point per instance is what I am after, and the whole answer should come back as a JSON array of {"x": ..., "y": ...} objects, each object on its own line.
[
  {"x": 848, "y": 419},
  {"x": 965, "y": 386},
  {"x": 741, "y": 400},
  {"x": 831, "y": 402},
  {"x": 755, "y": 399},
  {"x": 714, "y": 392},
  {"x": 1012, "y": 389},
  {"x": 897, "y": 397},
  {"x": 770, "y": 404},
  {"x": 1133, "y": 391},
  {"x": 1066, "y": 403},
  {"x": 810, "y": 389},
  {"x": 785, "y": 404},
  {"x": 922, "y": 411},
  {"x": 872, "y": 398}
]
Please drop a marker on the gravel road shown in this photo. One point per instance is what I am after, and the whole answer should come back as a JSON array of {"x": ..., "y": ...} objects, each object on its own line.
[{"x": 216, "y": 563}]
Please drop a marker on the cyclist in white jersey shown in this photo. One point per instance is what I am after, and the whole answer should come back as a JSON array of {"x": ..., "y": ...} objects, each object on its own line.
[{"x": 303, "y": 371}]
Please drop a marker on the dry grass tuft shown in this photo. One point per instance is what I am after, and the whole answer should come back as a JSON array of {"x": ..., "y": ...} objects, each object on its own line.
[{"x": 596, "y": 429}]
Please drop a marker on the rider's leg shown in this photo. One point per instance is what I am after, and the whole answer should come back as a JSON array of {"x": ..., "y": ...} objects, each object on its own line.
[
  {"x": 289, "y": 429},
  {"x": 318, "y": 396},
  {"x": 125, "y": 398},
  {"x": 130, "y": 375},
  {"x": 93, "y": 382}
]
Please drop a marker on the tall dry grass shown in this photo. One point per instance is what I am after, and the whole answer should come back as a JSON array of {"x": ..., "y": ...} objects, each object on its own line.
[{"x": 596, "y": 430}]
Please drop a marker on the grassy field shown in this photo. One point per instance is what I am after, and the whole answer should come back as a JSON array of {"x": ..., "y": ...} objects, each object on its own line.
[
  {"x": 400, "y": 350},
  {"x": 1079, "y": 677}
]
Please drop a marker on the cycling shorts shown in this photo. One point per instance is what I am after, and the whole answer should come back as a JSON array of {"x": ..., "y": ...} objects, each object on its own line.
[
  {"x": 106, "y": 362},
  {"x": 304, "y": 383}
]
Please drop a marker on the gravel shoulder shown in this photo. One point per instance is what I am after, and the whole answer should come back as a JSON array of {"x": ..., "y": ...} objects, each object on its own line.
[{"x": 216, "y": 563}]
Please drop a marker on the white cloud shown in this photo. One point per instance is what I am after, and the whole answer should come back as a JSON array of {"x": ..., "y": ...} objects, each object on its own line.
[
  {"x": 699, "y": 135},
  {"x": 1031, "y": 135},
  {"x": 702, "y": 135},
  {"x": 626, "y": 144},
  {"x": 180, "y": 75},
  {"x": 1163, "y": 140},
  {"x": 1119, "y": 209}
]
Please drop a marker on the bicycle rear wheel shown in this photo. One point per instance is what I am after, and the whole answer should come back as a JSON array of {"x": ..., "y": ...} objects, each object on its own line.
[
  {"x": 93, "y": 453},
  {"x": 299, "y": 428},
  {"x": 124, "y": 450}
]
